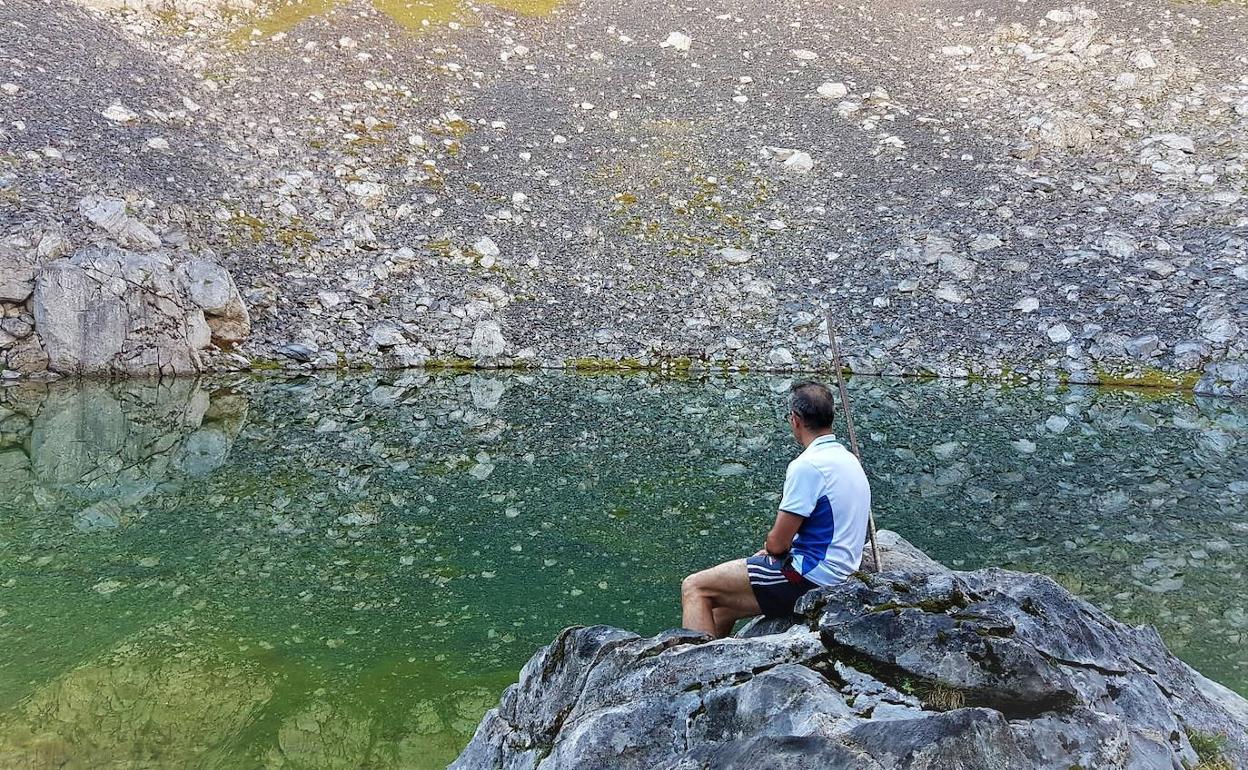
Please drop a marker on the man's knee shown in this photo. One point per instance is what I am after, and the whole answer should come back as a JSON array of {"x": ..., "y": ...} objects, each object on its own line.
[{"x": 692, "y": 585}]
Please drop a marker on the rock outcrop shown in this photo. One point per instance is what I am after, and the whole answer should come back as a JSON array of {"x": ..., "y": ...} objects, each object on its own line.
[
  {"x": 984, "y": 669},
  {"x": 112, "y": 311},
  {"x": 109, "y": 311}
]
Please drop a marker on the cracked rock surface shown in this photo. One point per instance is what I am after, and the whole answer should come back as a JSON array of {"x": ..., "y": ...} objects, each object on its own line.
[
  {"x": 109, "y": 311},
  {"x": 928, "y": 669}
]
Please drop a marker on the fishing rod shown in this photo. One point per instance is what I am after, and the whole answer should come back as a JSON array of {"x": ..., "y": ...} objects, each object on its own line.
[{"x": 849, "y": 429}]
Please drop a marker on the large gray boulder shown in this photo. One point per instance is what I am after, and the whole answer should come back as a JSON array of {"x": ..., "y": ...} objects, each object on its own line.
[
  {"x": 987, "y": 669},
  {"x": 211, "y": 288},
  {"x": 109, "y": 311},
  {"x": 18, "y": 266},
  {"x": 1224, "y": 378}
]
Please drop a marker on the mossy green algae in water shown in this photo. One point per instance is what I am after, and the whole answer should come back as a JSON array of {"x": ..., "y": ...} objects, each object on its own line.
[{"x": 347, "y": 571}]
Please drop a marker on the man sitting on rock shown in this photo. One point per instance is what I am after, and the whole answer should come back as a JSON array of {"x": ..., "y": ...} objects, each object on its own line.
[{"x": 816, "y": 541}]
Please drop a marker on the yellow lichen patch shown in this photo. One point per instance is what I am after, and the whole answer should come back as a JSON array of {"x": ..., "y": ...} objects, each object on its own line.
[
  {"x": 1149, "y": 381},
  {"x": 246, "y": 226},
  {"x": 528, "y": 7},
  {"x": 411, "y": 15},
  {"x": 295, "y": 234},
  {"x": 414, "y": 16},
  {"x": 282, "y": 17}
]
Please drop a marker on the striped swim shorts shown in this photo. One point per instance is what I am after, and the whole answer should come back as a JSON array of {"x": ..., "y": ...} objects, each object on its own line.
[{"x": 777, "y": 585}]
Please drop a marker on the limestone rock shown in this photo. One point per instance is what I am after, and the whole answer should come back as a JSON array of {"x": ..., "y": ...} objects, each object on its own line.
[
  {"x": 116, "y": 312},
  {"x": 832, "y": 90},
  {"x": 735, "y": 256},
  {"x": 209, "y": 286},
  {"x": 17, "y": 270},
  {"x": 899, "y": 555},
  {"x": 232, "y": 326},
  {"x": 1224, "y": 378},
  {"x": 678, "y": 40},
  {"x": 109, "y": 214},
  {"x": 487, "y": 340},
  {"x": 781, "y": 357},
  {"x": 26, "y": 355},
  {"x": 945, "y": 670}
]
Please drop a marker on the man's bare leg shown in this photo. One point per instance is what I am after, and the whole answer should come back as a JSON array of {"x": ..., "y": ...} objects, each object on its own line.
[{"x": 713, "y": 599}]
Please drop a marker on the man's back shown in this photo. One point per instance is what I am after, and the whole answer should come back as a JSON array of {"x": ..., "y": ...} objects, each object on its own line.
[{"x": 826, "y": 486}]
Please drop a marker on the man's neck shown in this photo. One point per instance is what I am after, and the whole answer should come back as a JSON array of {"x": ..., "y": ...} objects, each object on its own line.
[{"x": 810, "y": 438}]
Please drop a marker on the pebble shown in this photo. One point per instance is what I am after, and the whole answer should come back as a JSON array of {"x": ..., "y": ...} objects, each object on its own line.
[
  {"x": 1059, "y": 333},
  {"x": 833, "y": 90},
  {"x": 119, "y": 113},
  {"x": 678, "y": 40}
]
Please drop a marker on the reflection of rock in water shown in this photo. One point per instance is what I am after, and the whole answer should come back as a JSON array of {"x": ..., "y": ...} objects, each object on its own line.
[
  {"x": 104, "y": 447},
  {"x": 345, "y": 735},
  {"x": 138, "y": 707}
]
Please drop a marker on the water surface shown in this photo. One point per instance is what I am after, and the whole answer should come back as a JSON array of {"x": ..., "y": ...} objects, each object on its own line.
[{"x": 340, "y": 572}]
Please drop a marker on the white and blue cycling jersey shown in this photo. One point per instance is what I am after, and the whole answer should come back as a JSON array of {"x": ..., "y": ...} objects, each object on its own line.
[{"x": 827, "y": 487}]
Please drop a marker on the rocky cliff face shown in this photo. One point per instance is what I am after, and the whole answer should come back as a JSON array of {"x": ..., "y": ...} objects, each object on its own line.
[
  {"x": 126, "y": 305},
  {"x": 1034, "y": 192},
  {"x": 985, "y": 669}
]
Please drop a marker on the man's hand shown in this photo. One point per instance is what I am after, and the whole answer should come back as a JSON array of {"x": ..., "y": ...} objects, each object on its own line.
[
  {"x": 762, "y": 552},
  {"x": 780, "y": 538}
]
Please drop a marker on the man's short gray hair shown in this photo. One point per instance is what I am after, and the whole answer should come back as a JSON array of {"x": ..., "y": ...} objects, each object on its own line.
[{"x": 814, "y": 404}]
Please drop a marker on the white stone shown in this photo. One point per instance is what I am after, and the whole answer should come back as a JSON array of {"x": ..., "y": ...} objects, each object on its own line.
[
  {"x": 1057, "y": 423},
  {"x": 804, "y": 54},
  {"x": 1027, "y": 305},
  {"x": 678, "y": 40},
  {"x": 1059, "y": 16},
  {"x": 387, "y": 335},
  {"x": 986, "y": 242},
  {"x": 781, "y": 357},
  {"x": 486, "y": 247},
  {"x": 735, "y": 256},
  {"x": 209, "y": 286},
  {"x": 1219, "y": 329},
  {"x": 1024, "y": 446},
  {"x": 793, "y": 161},
  {"x": 1143, "y": 59},
  {"x": 368, "y": 191},
  {"x": 18, "y": 268},
  {"x": 109, "y": 214},
  {"x": 957, "y": 51},
  {"x": 832, "y": 90},
  {"x": 487, "y": 340},
  {"x": 1059, "y": 333},
  {"x": 1177, "y": 142},
  {"x": 119, "y": 113}
]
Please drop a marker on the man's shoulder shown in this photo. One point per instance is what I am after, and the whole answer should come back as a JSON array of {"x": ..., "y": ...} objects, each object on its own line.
[
  {"x": 802, "y": 462},
  {"x": 830, "y": 458}
]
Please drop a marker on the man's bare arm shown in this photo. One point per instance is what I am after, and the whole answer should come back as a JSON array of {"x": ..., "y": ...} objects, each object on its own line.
[{"x": 780, "y": 538}]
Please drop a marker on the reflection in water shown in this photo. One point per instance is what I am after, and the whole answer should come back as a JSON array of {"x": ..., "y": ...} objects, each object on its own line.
[{"x": 344, "y": 572}]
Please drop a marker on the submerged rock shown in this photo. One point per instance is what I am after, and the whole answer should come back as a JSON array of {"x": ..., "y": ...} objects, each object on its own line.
[{"x": 904, "y": 669}]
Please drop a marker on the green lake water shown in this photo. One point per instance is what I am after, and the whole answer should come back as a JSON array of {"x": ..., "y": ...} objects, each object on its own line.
[{"x": 345, "y": 572}]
